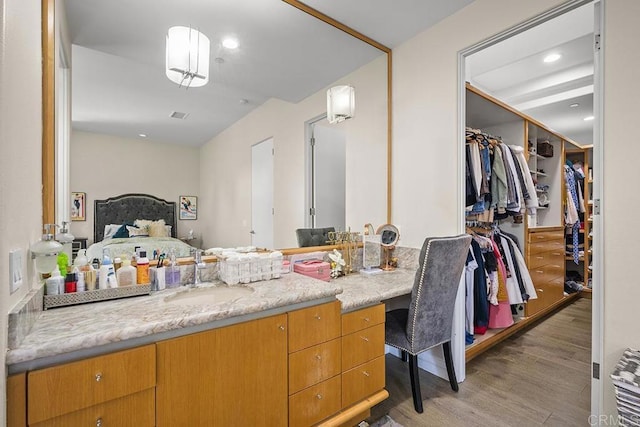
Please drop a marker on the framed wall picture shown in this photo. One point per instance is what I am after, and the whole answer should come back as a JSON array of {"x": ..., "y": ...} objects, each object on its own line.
[
  {"x": 78, "y": 206},
  {"x": 188, "y": 207}
]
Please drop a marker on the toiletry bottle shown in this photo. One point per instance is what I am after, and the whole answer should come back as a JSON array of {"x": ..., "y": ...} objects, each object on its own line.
[
  {"x": 142, "y": 264},
  {"x": 127, "y": 274},
  {"x": 172, "y": 274},
  {"x": 80, "y": 284},
  {"x": 117, "y": 263},
  {"x": 107, "y": 276},
  {"x": 55, "y": 283},
  {"x": 66, "y": 239},
  {"x": 70, "y": 283}
]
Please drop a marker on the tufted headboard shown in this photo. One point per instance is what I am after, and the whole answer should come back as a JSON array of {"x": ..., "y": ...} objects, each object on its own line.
[{"x": 126, "y": 208}]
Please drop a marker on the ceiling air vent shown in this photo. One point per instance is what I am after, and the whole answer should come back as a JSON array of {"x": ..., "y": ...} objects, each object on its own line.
[{"x": 179, "y": 115}]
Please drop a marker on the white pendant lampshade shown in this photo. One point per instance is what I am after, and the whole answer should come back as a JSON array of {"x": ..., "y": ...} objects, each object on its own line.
[
  {"x": 187, "y": 57},
  {"x": 341, "y": 103}
]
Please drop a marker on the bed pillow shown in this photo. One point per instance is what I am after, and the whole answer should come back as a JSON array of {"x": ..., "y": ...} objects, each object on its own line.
[
  {"x": 158, "y": 229},
  {"x": 122, "y": 232},
  {"x": 110, "y": 230},
  {"x": 137, "y": 232},
  {"x": 143, "y": 224}
]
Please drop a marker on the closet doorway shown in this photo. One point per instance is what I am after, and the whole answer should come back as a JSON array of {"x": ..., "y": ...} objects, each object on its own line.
[
  {"x": 262, "y": 194},
  {"x": 549, "y": 69},
  {"x": 326, "y": 175}
]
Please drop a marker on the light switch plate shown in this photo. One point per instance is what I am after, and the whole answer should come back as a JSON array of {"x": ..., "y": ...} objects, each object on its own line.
[{"x": 15, "y": 270}]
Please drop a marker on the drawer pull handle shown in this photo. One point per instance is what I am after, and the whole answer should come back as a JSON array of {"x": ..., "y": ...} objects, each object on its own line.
[
  {"x": 318, "y": 317},
  {"x": 281, "y": 327},
  {"x": 318, "y": 357},
  {"x": 366, "y": 319},
  {"x": 540, "y": 290},
  {"x": 540, "y": 257},
  {"x": 365, "y": 339},
  {"x": 366, "y": 374},
  {"x": 98, "y": 377},
  {"x": 319, "y": 396},
  {"x": 99, "y": 422},
  {"x": 540, "y": 271}
]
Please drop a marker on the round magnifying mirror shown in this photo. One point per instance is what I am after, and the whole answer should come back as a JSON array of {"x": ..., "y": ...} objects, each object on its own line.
[{"x": 389, "y": 234}]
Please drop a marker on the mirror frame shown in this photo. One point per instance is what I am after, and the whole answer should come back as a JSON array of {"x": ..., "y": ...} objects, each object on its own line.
[{"x": 48, "y": 100}]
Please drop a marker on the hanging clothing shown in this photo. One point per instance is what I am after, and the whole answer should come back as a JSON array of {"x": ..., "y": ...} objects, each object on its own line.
[
  {"x": 532, "y": 200},
  {"x": 572, "y": 218},
  {"x": 481, "y": 306}
]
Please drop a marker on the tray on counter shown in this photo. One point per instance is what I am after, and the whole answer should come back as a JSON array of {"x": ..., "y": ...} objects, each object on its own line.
[{"x": 62, "y": 300}]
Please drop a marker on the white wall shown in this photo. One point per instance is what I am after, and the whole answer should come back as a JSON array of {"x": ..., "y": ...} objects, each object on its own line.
[
  {"x": 225, "y": 163},
  {"x": 105, "y": 166},
  {"x": 621, "y": 290},
  {"x": 21, "y": 145}
]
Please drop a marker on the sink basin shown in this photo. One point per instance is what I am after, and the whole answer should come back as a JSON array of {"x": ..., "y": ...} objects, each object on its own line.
[{"x": 209, "y": 295}]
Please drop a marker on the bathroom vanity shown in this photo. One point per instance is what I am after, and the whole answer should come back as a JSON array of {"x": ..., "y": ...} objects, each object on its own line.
[{"x": 295, "y": 351}]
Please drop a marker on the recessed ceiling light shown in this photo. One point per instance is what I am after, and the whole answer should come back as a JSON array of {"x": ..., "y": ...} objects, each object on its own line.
[
  {"x": 574, "y": 105},
  {"x": 230, "y": 43},
  {"x": 588, "y": 118},
  {"x": 244, "y": 101},
  {"x": 142, "y": 135},
  {"x": 553, "y": 57}
]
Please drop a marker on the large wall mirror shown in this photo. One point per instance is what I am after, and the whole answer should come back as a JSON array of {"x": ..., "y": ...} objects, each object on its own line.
[{"x": 122, "y": 137}]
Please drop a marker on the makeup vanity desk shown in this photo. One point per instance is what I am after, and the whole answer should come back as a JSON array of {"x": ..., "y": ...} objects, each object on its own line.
[{"x": 360, "y": 289}]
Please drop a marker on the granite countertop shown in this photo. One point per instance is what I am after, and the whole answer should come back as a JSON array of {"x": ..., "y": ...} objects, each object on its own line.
[{"x": 83, "y": 329}]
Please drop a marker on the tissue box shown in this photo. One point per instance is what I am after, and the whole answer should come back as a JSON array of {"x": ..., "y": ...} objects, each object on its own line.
[{"x": 314, "y": 268}]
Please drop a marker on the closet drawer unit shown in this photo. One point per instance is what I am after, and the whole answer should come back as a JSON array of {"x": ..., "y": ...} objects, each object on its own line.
[
  {"x": 136, "y": 410},
  {"x": 315, "y": 403},
  {"x": 314, "y": 325},
  {"x": 362, "y": 381},
  {"x": 313, "y": 365},
  {"x": 546, "y": 273},
  {"x": 363, "y": 318},
  {"x": 362, "y": 346},
  {"x": 67, "y": 388}
]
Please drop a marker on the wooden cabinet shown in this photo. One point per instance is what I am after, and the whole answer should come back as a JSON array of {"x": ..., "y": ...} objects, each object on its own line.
[
  {"x": 546, "y": 265},
  {"x": 236, "y": 375},
  {"x": 17, "y": 400},
  {"x": 90, "y": 383}
]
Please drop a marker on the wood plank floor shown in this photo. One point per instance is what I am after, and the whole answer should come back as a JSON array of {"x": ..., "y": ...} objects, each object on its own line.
[{"x": 537, "y": 377}]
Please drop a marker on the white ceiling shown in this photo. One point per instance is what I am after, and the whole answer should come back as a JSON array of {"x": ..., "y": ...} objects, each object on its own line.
[
  {"x": 514, "y": 72},
  {"x": 119, "y": 85}
]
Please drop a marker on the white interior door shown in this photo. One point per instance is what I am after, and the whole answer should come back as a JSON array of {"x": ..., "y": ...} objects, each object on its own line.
[
  {"x": 262, "y": 194},
  {"x": 328, "y": 177}
]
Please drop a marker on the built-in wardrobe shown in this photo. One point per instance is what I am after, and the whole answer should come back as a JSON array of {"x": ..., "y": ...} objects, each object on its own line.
[{"x": 540, "y": 230}]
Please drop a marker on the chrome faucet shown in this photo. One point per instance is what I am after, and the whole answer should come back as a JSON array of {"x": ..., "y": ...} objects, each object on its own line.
[{"x": 198, "y": 265}]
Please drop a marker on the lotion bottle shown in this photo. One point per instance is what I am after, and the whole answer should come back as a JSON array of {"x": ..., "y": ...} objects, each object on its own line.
[
  {"x": 55, "y": 283},
  {"x": 107, "y": 274},
  {"x": 127, "y": 274}
]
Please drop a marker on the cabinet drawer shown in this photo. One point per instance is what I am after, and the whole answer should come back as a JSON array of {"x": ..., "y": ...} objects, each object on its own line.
[
  {"x": 315, "y": 403},
  {"x": 361, "y": 319},
  {"x": 556, "y": 245},
  {"x": 555, "y": 256},
  {"x": 362, "y": 381},
  {"x": 136, "y": 410},
  {"x": 545, "y": 236},
  {"x": 546, "y": 273},
  {"x": 67, "y": 388},
  {"x": 314, "y": 325},
  {"x": 362, "y": 346},
  {"x": 313, "y": 365}
]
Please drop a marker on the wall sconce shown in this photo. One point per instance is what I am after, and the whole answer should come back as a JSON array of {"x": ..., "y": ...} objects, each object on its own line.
[
  {"x": 45, "y": 251},
  {"x": 341, "y": 103},
  {"x": 187, "y": 57}
]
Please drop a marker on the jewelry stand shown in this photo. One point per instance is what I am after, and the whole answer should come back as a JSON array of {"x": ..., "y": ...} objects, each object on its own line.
[{"x": 387, "y": 258}]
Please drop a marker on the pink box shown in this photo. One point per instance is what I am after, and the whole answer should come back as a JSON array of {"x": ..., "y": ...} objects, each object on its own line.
[{"x": 314, "y": 268}]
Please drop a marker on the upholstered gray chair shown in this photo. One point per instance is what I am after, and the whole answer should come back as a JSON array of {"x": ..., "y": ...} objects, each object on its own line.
[
  {"x": 313, "y": 236},
  {"x": 428, "y": 320}
]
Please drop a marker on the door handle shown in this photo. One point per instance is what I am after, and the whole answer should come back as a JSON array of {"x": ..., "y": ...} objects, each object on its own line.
[{"x": 252, "y": 232}]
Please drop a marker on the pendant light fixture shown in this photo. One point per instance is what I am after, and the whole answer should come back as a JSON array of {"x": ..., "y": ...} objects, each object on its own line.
[
  {"x": 341, "y": 103},
  {"x": 187, "y": 57}
]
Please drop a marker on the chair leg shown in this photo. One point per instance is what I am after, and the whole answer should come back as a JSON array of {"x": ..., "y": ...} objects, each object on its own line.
[
  {"x": 415, "y": 383},
  {"x": 404, "y": 356},
  {"x": 446, "y": 347}
]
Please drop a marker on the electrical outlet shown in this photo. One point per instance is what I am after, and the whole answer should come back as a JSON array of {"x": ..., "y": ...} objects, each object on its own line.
[{"x": 15, "y": 270}]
